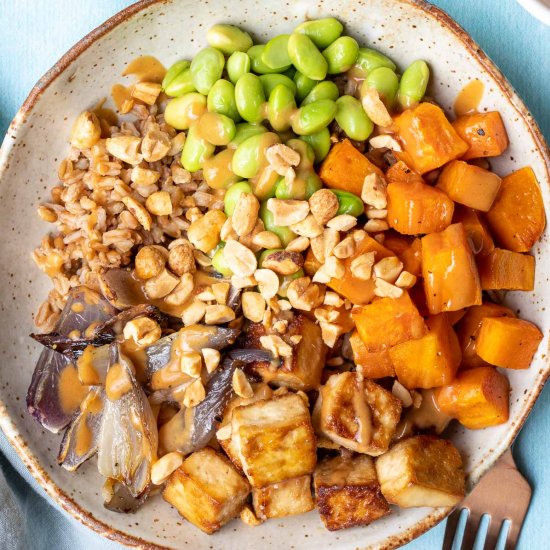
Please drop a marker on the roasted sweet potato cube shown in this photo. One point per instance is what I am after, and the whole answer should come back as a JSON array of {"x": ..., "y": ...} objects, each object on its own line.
[
  {"x": 358, "y": 291},
  {"x": 357, "y": 414},
  {"x": 285, "y": 498},
  {"x": 274, "y": 439},
  {"x": 303, "y": 370},
  {"x": 429, "y": 141},
  {"x": 478, "y": 234},
  {"x": 421, "y": 471},
  {"x": 506, "y": 270},
  {"x": 469, "y": 185},
  {"x": 206, "y": 490},
  {"x": 387, "y": 322},
  {"x": 371, "y": 364},
  {"x": 400, "y": 172},
  {"x": 347, "y": 492},
  {"x": 407, "y": 249},
  {"x": 346, "y": 168},
  {"x": 517, "y": 217},
  {"x": 430, "y": 361},
  {"x": 477, "y": 398},
  {"x": 484, "y": 133},
  {"x": 468, "y": 331},
  {"x": 417, "y": 208},
  {"x": 449, "y": 270},
  {"x": 507, "y": 342}
]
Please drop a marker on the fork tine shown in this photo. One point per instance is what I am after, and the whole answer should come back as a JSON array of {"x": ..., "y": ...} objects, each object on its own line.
[
  {"x": 513, "y": 535},
  {"x": 493, "y": 531},
  {"x": 470, "y": 530},
  {"x": 450, "y": 529}
]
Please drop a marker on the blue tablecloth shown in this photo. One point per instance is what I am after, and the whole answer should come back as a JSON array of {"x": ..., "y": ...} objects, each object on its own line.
[{"x": 35, "y": 33}]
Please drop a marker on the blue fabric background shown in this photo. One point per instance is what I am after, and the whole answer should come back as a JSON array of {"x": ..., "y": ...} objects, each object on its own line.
[{"x": 35, "y": 33}]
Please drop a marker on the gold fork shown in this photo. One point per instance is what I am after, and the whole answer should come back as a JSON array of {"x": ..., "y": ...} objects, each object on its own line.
[{"x": 502, "y": 494}]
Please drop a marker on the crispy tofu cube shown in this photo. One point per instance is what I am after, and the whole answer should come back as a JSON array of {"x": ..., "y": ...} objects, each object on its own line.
[
  {"x": 347, "y": 492},
  {"x": 274, "y": 439},
  {"x": 303, "y": 370},
  {"x": 421, "y": 471},
  {"x": 285, "y": 498},
  {"x": 206, "y": 490},
  {"x": 357, "y": 414}
]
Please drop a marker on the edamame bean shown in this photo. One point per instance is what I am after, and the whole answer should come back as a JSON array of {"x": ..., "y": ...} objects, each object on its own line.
[
  {"x": 219, "y": 263},
  {"x": 341, "y": 54},
  {"x": 275, "y": 53},
  {"x": 221, "y": 99},
  {"x": 256, "y": 63},
  {"x": 323, "y": 90},
  {"x": 351, "y": 117},
  {"x": 177, "y": 68},
  {"x": 385, "y": 82},
  {"x": 250, "y": 154},
  {"x": 195, "y": 150},
  {"x": 264, "y": 185},
  {"x": 284, "y": 233},
  {"x": 320, "y": 143},
  {"x": 285, "y": 281},
  {"x": 313, "y": 183},
  {"x": 290, "y": 72},
  {"x": 307, "y": 155},
  {"x": 414, "y": 82},
  {"x": 217, "y": 171},
  {"x": 228, "y": 39},
  {"x": 264, "y": 255},
  {"x": 206, "y": 69},
  {"x": 237, "y": 65},
  {"x": 280, "y": 108},
  {"x": 306, "y": 57},
  {"x": 312, "y": 118},
  {"x": 304, "y": 85},
  {"x": 369, "y": 59},
  {"x": 250, "y": 97},
  {"x": 244, "y": 131},
  {"x": 322, "y": 32},
  {"x": 269, "y": 81},
  {"x": 286, "y": 189},
  {"x": 182, "y": 111},
  {"x": 216, "y": 129},
  {"x": 232, "y": 195},
  {"x": 348, "y": 203},
  {"x": 181, "y": 84}
]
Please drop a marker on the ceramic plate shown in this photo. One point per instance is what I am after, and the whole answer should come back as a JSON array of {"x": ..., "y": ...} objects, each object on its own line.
[{"x": 37, "y": 140}]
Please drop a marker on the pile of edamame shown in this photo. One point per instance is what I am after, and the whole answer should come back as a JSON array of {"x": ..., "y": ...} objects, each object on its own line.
[{"x": 225, "y": 96}]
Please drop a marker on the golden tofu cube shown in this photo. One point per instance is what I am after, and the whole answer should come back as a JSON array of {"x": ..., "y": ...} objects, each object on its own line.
[
  {"x": 422, "y": 471},
  {"x": 357, "y": 414},
  {"x": 274, "y": 439},
  {"x": 303, "y": 370},
  {"x": 206, "y": 490},
  {"x": 285, "y": 498},
  {"x": 347, "y": 492}
]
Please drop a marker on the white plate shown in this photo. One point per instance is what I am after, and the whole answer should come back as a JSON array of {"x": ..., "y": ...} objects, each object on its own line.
[
  {"x": 537, "y": 8},
  {"x": 37, "y": 140}
]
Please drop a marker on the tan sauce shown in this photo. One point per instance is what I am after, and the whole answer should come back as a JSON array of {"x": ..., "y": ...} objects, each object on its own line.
[
  {"x": 77, "y": 307},
  {"x": 146, "y": 67},
  {"x": 86, "y": 370},
  {"x": 122, "y": 97},
  {"x": 363, "y": 417},
  {"x": 217, "y": 170},
  {"x": 84, "y": 437},
  {"x": 138, "y": 356},
  {"x": 70, "y": 390},
  {"x": 118, "y": 382},
  {"x": 468, "y": 99},
  {"x": 107, "y": 117}
]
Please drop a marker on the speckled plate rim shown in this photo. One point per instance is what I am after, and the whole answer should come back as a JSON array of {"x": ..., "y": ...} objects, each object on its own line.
[{"x": 6, "y": 423}]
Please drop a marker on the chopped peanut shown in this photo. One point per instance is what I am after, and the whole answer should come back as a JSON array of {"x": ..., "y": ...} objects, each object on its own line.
[
  {"x": 276, "y": 345},
  {"x": 211, "y": 358},
  {"x": 143, "y": 331},
  {"x": 388, "y": 269},
  {"x": 221, "y": 292},
  {"x": 146, "y": 91},
  {"x": 344, "y": 222},
  {"x": 191, "y": 363},
  {"x": 139, "y": 212},
  {"x": 218, "y": 314},
  {"x": 193, "y": 313},
  {"x": 159, "y": 203},
  {"x": 374, "y": 192},
  {"x": 287, "y": 212},
  {"x": 86, "y": 131},
  {"x": 361, "y": 267},
  {"x": 194, "y": 394},
  {"x": 149, "y": 262},
  {"x": 268, "y": 282},
  {"x": 181, "y": 259},
  {"x": 241, "y": 385},
  {"x": 324, "y": 205},
  {"x": 165, "y": 466},
  {"x": 240, "y": 259},
  {"x": 253, "y": 306}
]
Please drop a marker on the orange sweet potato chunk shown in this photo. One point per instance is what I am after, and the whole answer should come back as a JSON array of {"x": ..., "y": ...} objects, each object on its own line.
[
  {"x": 407, "y": 249},
  {"x": 428, "y": 138},
  {"x": 507, "y": 342},
  {"x": 387, "y": 322},
  {"x": 449, "y": 270},
  {"x": 484, "y": 133},
  {"x": 358, "y": 291},
  {"x": 430, "y": 361},
  {"x": 468, "y": 331},
  {"x": 477, "y": 231},
  {"x": 505, "y": 270},
  {"x": 469, "y": 185},
  {"x": 345, "y": 168},
  {"x": 477, "y": 398},
  {"x": 417, "y": 208},
  {"x": 401, "y": 172},
  {"x": 517, "y": 217},
  {"x": 371, "y": 364}
]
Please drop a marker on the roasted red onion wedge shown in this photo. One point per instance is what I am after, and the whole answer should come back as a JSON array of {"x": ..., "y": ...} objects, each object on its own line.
[
  {"x": 55, "y": 392},
  {"x": 118, "y": 498},
  {"x": 128, "y": 438},
  {"x": 81, "y": 437}
]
